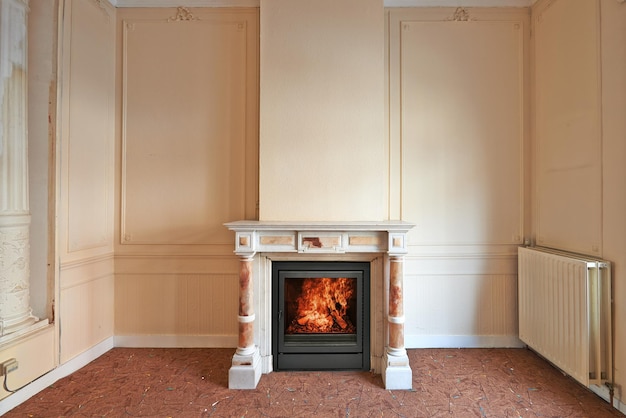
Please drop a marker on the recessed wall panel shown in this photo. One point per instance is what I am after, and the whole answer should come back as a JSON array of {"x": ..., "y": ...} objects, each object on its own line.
[
  {"x": 187, "y": 133},
  {"x": 461, "y": 130},
  {"x": 87, "y": 159},
  {"x": 568, "y": 126}
]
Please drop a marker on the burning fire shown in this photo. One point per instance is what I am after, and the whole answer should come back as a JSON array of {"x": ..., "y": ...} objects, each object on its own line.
[{"x": 322, "y": 306}]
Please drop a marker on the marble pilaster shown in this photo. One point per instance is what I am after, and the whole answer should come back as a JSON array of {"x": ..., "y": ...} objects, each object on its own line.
[
  {"x": 397, "y": 372},
  {"x": 245, "y": 371}
]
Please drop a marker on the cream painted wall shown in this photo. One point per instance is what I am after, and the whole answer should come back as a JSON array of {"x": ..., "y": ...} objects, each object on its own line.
[
  {"x": 459, "y": 134},
  {"x": 568, "y": 156},
  {"x": 322, "y": 128},
  {"x": 580, "y": 91},
  {"x": 188, "y": 141},
  {"x": 85, "y": 301},
  {"x": 613, "y": 17}
]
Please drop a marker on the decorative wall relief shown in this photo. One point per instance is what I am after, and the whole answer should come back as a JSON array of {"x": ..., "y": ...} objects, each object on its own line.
[
  {"x": 102, "y": 5},
  {"x": 15, "y": 312},
  {"x": 460, "y": 15},
  {"x": 182, "y": 15}
]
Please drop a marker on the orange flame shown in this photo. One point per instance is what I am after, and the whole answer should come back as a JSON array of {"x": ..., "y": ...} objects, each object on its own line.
[{"x": 323, "y": 305}]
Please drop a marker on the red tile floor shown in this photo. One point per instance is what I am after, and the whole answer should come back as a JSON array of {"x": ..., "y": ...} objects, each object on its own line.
[{"x": 131, "y": 382}]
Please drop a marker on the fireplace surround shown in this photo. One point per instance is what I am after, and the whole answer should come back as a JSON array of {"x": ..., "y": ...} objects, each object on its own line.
[{"x": 261, "y": 244}]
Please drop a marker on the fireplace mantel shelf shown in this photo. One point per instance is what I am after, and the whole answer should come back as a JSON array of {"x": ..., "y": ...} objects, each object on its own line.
[
  {"x": 320, "y": 225},
  {"x": 320, "y": 236}
]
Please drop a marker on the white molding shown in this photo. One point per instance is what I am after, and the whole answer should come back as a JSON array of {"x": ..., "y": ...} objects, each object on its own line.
[
  {"x": 176, "y": 341},
  {"x": 185, "y": 3},
  {"x": 56, "y": 374},
  {"x": 463, "y": 341},
  {"x": 459, "y": 3},
  {"x": 387, "y": 3}
]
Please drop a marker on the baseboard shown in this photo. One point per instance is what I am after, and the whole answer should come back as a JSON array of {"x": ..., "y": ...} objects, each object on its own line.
[
  {"x": 59, "y": 372},
  {"x": 462, "y": 341},
  {"x": 176, "y": 341}
]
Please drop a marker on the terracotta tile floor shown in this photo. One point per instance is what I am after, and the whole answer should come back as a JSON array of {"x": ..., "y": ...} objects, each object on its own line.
[{"x": 181, "y": 382}]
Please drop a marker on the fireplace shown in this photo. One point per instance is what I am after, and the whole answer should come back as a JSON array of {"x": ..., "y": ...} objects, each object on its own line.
[
  {"x": 321, "y": 315},
  {"x": 368, "y": 254}
]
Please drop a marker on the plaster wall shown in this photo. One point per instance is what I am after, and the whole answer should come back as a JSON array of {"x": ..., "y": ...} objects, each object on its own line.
[
  {"x": 84, "y": 305},
  {"x": 580, "y": 100},
  {"x": 322, "y": 130}
]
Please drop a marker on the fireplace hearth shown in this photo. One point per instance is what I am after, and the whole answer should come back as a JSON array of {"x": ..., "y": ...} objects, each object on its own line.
[{"x": 321, "y": 315}]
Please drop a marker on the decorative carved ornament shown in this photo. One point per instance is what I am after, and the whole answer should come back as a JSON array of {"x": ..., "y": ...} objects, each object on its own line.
[
  {"x": 460, "y": 15},
  {"x": 103, "y": 8},
  {"x": 182, "y": 15}
]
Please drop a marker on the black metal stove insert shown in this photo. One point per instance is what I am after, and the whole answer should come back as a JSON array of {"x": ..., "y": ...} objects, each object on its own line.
[{"x": 320, "y": 313}]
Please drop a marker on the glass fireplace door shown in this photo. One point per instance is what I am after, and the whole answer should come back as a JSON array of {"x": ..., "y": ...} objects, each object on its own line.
[{"x": 321, "y": 314}]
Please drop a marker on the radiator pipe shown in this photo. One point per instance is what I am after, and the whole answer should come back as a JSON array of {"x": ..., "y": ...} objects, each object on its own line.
[{"x": 612, "y": 384}]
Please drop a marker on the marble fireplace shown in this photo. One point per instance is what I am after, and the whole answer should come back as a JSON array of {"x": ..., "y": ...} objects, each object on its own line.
[{"x": 260, "y": 244}]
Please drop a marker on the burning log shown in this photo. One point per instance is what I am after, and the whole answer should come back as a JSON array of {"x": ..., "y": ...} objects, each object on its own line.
[
  {"x": 322, "y": 307},
  {"x": 339, "y": 320}
]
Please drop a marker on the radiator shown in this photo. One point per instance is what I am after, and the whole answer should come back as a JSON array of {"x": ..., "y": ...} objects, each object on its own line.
[{"x": 565, "y": 311}]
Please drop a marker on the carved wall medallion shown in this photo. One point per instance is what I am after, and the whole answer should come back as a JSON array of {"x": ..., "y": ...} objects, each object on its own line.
[
  {"x": 103, "y": 8},
  {"x": 182, "y": 15},
  {"x": 460, "y": 15}
]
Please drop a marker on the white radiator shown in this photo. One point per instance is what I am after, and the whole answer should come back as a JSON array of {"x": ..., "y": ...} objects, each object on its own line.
[{"x": 565, "y": 311}]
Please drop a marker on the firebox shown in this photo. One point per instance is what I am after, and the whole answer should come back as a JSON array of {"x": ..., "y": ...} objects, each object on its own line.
[{"x": 320, "y": 313}]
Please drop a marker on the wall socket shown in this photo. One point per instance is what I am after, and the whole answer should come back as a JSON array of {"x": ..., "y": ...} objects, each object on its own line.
[{"x": 8, "y": 366}]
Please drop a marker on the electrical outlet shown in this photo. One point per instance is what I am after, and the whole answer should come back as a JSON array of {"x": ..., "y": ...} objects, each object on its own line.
[{"x": 8, "y": 366}]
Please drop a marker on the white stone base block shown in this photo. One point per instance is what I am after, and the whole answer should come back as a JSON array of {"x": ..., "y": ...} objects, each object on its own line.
[
  {"x": 245, "y": 371},
  {"x": 396, "y": 373}
]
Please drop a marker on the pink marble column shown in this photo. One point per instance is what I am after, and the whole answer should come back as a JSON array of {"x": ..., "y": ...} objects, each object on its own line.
[
  {"x": 396, "y": 304},
  {"x": 245, "y": 371},
  {"x": 246, "y": 307},
  {"x": 397, "y": 372}
]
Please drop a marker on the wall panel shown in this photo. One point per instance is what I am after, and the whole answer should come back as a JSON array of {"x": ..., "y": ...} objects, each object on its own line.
[
  {"x": 88, "y": 89},
  {"x": 189, "y": 162},
  {"x": 200, "y": 299},
  {"x": 86, "y": 305},
  {"x": 189, "y": 122},
  {"x": 458, "y": 146},
  {"x": 461, "y": 301},
  {"x": 461, "y": 116},
  {"x": 84, "y": 302},
  {"x": 568, "y": 125}
]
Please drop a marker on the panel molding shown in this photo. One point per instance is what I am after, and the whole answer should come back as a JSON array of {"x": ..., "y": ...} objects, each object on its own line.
[
  {"x": 87, "y": 131},
  {"x": 400, "y": 21},
  {"x": 473, "y": 304},
  {"x": 240, "y": 186},
  {"x": 85, "y": 270},
  {"x": 387, "y": 3},
  {"x": 568, "y": 189},
  {"x": 176, "y": 304}
]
